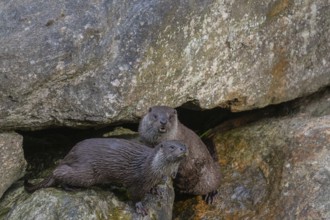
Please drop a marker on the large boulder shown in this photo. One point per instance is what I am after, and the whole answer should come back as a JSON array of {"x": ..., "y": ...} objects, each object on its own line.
[
  {"x": 51, "y": 204},
  {"x": 12, "y": 160},
  {"x": 92, "y": 63},
  {"x": 276, "y": 168},
  {"x": 88, "y": 204}
]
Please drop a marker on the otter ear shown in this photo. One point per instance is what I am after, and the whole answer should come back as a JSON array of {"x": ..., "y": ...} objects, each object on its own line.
[
  {"x": 150, "y": 109},
  {"x": 161, "y": 146}
]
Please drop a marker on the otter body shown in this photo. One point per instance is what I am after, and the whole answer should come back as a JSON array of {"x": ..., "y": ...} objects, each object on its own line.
[
  {"x": 198, "y": 173},
  {"x": 109, "y": 160}
]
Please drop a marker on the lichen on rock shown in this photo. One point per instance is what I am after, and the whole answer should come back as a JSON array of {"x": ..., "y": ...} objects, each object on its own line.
[
  {"x": 12, "y": 160},
  {"x": 109, "y": 62},
  {"x": 276, "y": 167}
]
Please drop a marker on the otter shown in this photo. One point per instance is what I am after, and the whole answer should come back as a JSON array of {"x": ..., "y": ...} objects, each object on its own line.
[
  {"x": 198, "y": 173},
  {"x": 110, "y": 160}
]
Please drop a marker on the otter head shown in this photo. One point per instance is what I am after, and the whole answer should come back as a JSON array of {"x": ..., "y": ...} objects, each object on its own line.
[
  {"x": 173, "y": 150},
  {"x": 160, "y": 123},
  {"x": 168, "y": 156}
]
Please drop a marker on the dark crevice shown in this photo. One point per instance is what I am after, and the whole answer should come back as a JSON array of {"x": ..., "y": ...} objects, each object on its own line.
[{"x": 202, "y": 120}]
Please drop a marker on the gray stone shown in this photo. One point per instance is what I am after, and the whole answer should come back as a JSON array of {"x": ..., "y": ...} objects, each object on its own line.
[
  {"x": 12, "y": 160},
  {"x": 276, "y": 168},
  {"x": 93, "y": 63},
  {"x": 52, "y": 204},
  {"x": 95, "y": 203},
  {"x": 282, "y": 165}
]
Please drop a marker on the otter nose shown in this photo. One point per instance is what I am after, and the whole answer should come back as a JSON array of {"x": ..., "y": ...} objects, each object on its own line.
[
  {"x": 183, "y": 149},
  {"x": 163, "y": 121}
]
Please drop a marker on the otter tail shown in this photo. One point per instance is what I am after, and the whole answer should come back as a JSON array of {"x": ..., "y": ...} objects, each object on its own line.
[{"x": 47, "y": 182}]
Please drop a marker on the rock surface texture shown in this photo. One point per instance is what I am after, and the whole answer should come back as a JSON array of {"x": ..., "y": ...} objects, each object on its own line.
[
  {"x": 12, "y": 160},
  {"x": 88, "y": 204},
  {"x": 86, "y": 63},
  {"x": 52, "y": 204},
  {"x": 276, "y": 168}
]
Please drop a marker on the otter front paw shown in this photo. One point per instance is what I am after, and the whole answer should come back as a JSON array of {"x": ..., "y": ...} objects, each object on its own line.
[
  {"x": 69, "y": 188},
  {"x": 173, "y": 175},
  {"x": 209, "y": 198},
  {"x": 157, "y": 191},
  {"x": 140, "y": 209}
]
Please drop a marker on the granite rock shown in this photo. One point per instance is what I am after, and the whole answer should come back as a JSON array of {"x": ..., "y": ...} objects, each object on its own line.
[
  {"x": 91, "y": 63},
  {"x": 12, "y": 160}
]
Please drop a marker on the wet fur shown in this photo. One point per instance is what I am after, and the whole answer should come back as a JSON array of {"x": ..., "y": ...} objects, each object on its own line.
[
  {"x": 198, "y": 173},
  {"x": 109, "y": 160}
]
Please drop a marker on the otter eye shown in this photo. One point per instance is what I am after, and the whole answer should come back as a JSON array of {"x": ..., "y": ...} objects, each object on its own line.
[
  {"x": 155, "y": 116},
  {"x": 172, "y": 147},
  {"x": 171, "y": 117}
]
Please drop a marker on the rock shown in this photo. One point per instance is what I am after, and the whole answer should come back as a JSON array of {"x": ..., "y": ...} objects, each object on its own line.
[
  {"x": 271, "y": 169},
  {"x": 12, "y": 160},
  {"x": 276, "y": 168},
  {"x": 86, "y": 63},
  {"x": 95, "y": 203},
  {"x": 160, "y": 206},
  {"x": 51, "y": 204}
]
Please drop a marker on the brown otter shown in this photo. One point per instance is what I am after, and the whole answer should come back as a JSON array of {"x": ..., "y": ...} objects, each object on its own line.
[
  {"x": 109, "y": 160},
  {"x": 198, "y": 173}
]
